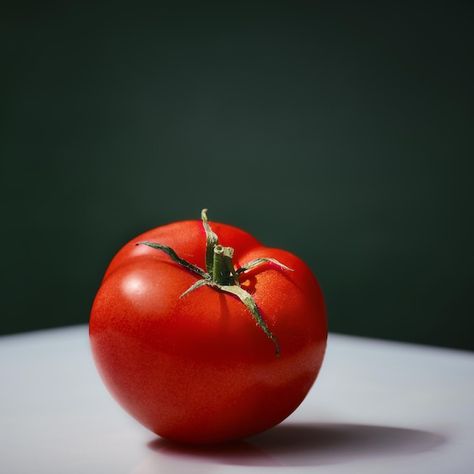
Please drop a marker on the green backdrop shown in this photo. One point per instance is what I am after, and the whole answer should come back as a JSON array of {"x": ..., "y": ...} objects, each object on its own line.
[{"x": 340, "y": 131}]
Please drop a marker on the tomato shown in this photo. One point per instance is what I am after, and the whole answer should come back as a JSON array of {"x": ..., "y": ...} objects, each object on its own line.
[{"x": 205, "y": 335}]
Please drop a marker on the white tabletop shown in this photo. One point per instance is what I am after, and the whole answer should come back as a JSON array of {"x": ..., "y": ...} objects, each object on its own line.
[{"x": 376, "y": 407}]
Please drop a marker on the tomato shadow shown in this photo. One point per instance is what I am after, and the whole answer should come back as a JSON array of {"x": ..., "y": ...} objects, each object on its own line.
[
  {"x": 248, "y": 282},
  {"x": 297, "y": 444}
]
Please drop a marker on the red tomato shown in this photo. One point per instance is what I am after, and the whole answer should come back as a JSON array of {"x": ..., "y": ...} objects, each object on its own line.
[{"x": 198, "y": 368}]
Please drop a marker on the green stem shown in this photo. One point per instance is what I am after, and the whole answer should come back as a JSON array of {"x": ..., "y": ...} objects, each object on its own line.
[
  {"x": 174, "y": 256},
  {"x": 223, "y": 272},
  {"x": 211, "y": 241}
]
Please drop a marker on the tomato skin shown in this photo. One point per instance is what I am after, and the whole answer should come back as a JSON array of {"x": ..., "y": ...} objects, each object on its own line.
[{"x": 198, "y": 369}]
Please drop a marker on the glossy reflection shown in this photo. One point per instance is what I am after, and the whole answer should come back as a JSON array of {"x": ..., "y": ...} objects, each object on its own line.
[
  {"x": 133, "y": 285},
  {"x": 292, "y": 444}
]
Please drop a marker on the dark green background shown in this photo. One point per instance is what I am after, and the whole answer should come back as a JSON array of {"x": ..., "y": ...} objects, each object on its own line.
[{"x": 340, "y": 131}]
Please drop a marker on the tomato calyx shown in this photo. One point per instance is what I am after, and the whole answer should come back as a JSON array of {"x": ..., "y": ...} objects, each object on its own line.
[{"x": 221, "y": 274}]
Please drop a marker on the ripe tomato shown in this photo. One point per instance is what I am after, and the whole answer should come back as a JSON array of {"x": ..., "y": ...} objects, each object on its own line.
[{"x": 229, "y": 359}]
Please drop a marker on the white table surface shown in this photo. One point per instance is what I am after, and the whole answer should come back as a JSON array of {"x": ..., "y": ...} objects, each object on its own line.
[{"x": 377, "y": 407}]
